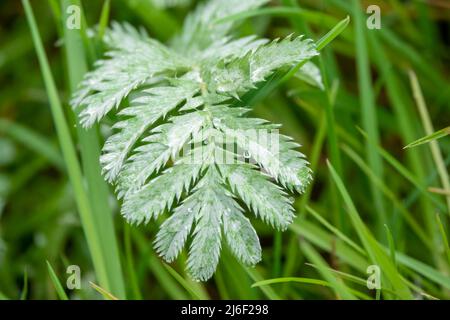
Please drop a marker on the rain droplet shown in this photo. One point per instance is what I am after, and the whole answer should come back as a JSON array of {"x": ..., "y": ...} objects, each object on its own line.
[
  {"x": 216, "y": 122},
  {"x": 189, "y": 210}
]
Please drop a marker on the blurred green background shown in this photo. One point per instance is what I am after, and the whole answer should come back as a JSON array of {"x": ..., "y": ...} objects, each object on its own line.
[{"x": 360, "y": 122}]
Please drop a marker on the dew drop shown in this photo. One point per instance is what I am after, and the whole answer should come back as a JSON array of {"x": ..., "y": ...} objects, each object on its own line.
[
  {"x": 189, "y": 210},
  {"x": 235, "y": 226},
  {"x": 216, "y": 122}
]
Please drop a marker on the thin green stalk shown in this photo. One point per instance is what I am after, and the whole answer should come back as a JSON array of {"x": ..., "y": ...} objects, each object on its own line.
[
  {"x": 90, "y": 154},
  {"x": 277, "y": 253},
  {"x": 134, "y": 284},
  {"x": 305, "y": 281},
  {"x": 368, "y": 112},
  {"x": 56, "y": 283},
  {"x": 400, "y": 104},
  {"x": 417, "y": 228},
  {"x": 428, "y": 126},
  {"x": 444, "y": 238},
  {"x": 69, "y": 153},
  {"x": 374, "y": 250},
  {"x": 341, "y": 290}
]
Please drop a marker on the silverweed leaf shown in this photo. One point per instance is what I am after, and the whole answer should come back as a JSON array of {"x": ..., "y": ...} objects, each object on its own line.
[{"x": 176, "y": 116}]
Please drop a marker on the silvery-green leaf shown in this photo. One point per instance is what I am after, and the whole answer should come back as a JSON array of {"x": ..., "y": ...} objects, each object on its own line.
[
  {"x": 241, "y": 237},
  {"x": 310, "y": 73}
]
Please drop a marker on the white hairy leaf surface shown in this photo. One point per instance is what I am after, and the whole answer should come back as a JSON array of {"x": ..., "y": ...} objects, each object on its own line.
[{"x": 175, "y": 121}]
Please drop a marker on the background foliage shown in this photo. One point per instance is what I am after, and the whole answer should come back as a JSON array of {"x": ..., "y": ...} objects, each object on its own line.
[{"x": 369, "y": 203}]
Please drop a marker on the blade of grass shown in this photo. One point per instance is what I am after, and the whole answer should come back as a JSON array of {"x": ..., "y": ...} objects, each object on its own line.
[
  {"x": 185, "y": 284},
  {"x": 277, "y": 253},
  {"x": 405, "y": 172},
  {"x": 325, "y": 241},
  {"x": 56, "y": 283},
  {"x": 90, "y": 154},
  {"x": 103, "y": 22},
  {"x": 391, "y": 244},
  {"x": 373, "y": 249},
  {"x": 256, "y": 277},
  {"x": 336, "y": 231},
  {"x": 368, "y": 112},
  {"x": 337, "y": 284},
  {"x": 304, "y": 281},
  {"x": 439, "y": 191},
  {"x": 428, "y": 126},
  {"x": 239, "y": 281},
  {"x": 444, "y": 238},
  {"x": 390, "y": 195},
  {"x": 220, "y": 283},
  {"x": 69, "y": 153},
  {"x": 348, "y": 255},
  {"x": 107, "y": 295},
  {"x": 351, "y": 278},
  {"x": 429, "y": 138},
  {"x": 130, "y": 263},
  {"x": 402, "y": 107},
  {"x": 164, "y": 278}
]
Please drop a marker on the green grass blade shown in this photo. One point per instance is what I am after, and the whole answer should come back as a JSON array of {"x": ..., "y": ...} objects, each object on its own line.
[
  {"x": 373, "y": 249},
  {"x": 185, "y": 284},
  {"x": 336, "y": 231},
  {"x": 428, "y": 126},
  {"x": 131, "y": 271},
  {"x": 312, "y": 281},
  {"x": 444, "y": 238},
  {"x": 415, "y": 226},
  {"x": 90, "y": 154},
  {"x": 406, "y": 173},
  {"x": 337, "y": 284},
  {"x": 368, "y": 111},
  {"x": 333, "y": 33},
  {"x": 277, "y": 253},
  {"x": 429, "y": 138},
  {"x": 391, "y": 244},
  {"x": 256, "y": 277},
  {"x": 68, "y": 151},
  {"x": 107, "y": 295},
  {"x": 56, "y": 283},
  {"x": 104, "y": 18}
]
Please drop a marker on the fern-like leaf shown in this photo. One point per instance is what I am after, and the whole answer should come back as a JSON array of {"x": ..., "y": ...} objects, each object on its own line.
[{"x": 176, "y": 123}]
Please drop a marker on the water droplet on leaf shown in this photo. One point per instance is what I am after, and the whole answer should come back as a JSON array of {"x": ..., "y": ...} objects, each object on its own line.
[{"x": 216, "y": 122}]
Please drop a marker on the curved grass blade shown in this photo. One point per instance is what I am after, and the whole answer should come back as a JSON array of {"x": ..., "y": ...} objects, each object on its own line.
[{"x": 56, "y": 283}]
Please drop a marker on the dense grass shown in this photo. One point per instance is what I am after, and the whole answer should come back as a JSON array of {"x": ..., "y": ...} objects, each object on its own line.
[{"x": 372, "y": 202}]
